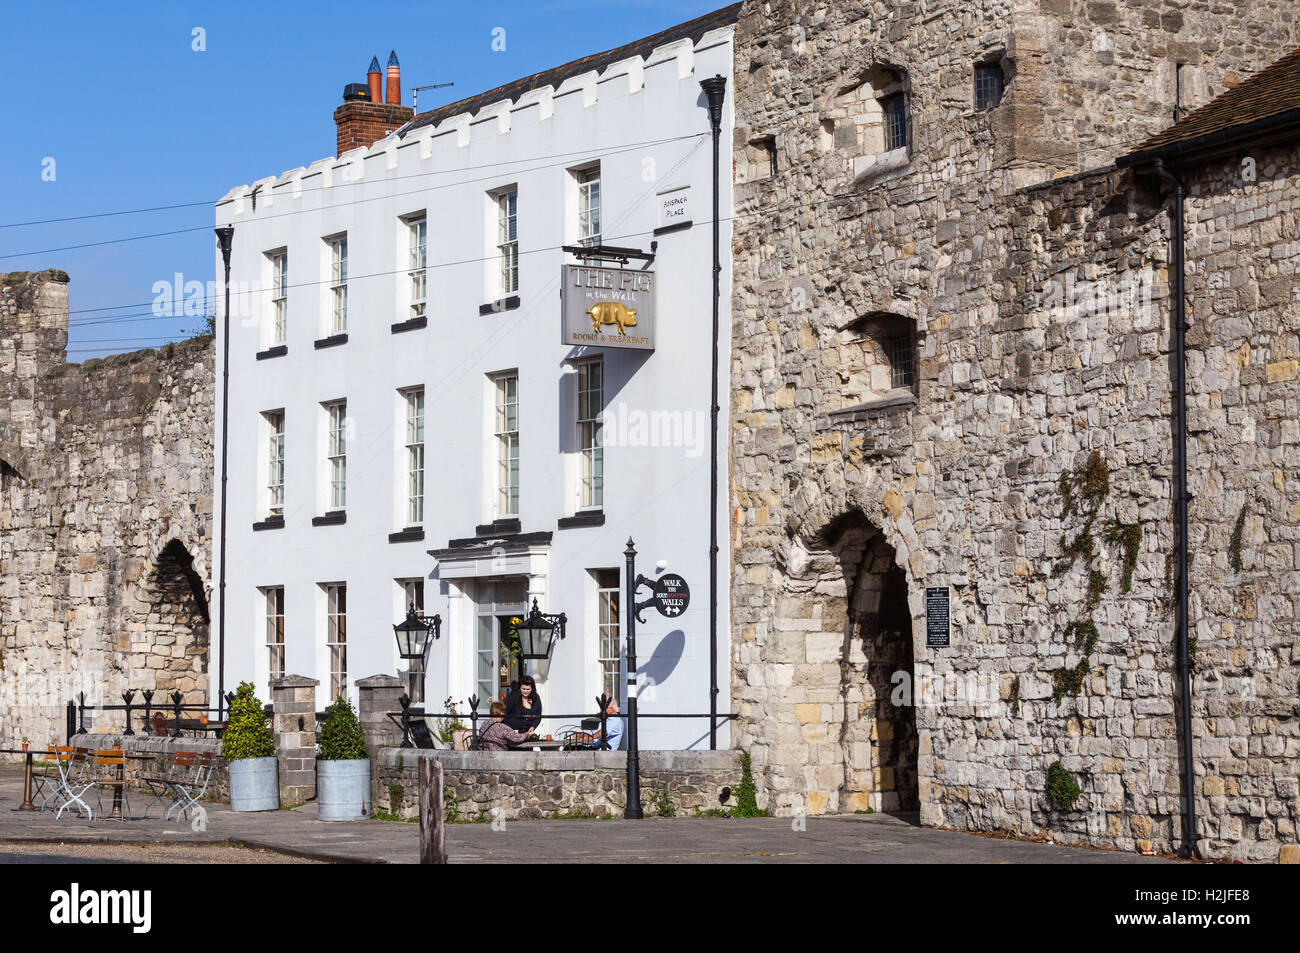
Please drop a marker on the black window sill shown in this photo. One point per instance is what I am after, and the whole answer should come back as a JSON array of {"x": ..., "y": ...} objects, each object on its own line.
[
  {"x": 280, "y": 350},
  {"x": 271, "y": 522},
  {"x": 414, "y": 324},
  {"x": 409, "y": 535},
  {"x": 589, "y": 518},
  {"x": 675, "y": 227},
  {"x": 502, "y": 304},
  {"x": 332, "y": 518},
  {"x": 334, "y": 340},
  {"x": 498, "y": 527}
]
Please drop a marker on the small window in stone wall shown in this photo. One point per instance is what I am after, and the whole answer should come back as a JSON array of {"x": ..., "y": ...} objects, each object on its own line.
[
  {"x": 877, "y": 358},
  {"x": 990, "y": 82},
  {"x": 870, "y": 121},
  {"x": 756, "y": 159}
]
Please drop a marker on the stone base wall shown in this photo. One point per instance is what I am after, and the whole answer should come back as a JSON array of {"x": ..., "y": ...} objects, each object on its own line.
[
  {"x": 490, "y": 785},
  {"x": 163, "y": 749}
]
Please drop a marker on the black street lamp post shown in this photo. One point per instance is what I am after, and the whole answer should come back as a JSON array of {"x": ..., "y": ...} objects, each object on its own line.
[
  {"x": 632, "y": 811},
  {"x": 225, "y": 241}
]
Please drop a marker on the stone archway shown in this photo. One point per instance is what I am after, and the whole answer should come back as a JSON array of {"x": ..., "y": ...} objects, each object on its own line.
[
  {"x": 174, "y": 653},
  {"x": 845, "y": 592}
]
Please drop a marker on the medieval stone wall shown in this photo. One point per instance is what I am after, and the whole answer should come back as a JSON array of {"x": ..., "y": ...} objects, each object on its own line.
[
  {"x": 1027, "y": 467},
  {"x": 105, "y": 519}
]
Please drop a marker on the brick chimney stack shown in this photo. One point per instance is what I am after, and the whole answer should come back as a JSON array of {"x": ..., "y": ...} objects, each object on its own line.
[
  {"x": 393, "y": 94},
  {"x": 372, "y": 78},
  {"x": 361, "y": 122}
]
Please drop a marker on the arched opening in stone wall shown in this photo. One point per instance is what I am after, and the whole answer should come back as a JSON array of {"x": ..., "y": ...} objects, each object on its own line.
[
  {"x": 9, "y": 474},
  {"x": 176, "y": 629},
  {"x": 855, "y": 585}
]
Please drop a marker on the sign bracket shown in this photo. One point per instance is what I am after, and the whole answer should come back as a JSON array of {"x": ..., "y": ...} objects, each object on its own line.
[{"x": 611, "y": 252}]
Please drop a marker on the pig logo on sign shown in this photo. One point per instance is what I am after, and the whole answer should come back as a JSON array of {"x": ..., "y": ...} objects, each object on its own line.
[{"x": 612, "y": 312}]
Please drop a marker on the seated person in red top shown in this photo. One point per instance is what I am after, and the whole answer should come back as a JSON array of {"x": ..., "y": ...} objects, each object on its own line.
[{"x": 497, "y": 735}]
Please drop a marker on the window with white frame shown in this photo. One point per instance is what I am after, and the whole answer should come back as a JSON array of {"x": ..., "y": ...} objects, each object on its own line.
[
  {"x": 507, "y": 439},
  {"x": 414, "y": 456},
  {"x": 337, "y": 455},
  {"x": 274, "y": 462},
  {"x": 279, "y": 295},
  {"x": 336, "y": 636},
  {"x": 338, "y": 284},
  {"x": 417, "y": 264},
  {"x": 591, "y": 451},
  {"x": 413, "y": 597},
  {"x": 274, "y": 631},
  {"x": 589, "y": 206},
  {"x": 608, "y": 641},
  {"x": 508, "y": 241}
]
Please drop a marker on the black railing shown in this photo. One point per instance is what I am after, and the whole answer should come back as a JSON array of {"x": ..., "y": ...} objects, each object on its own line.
[
  {"x": 410, "y": 712},
  {"x": 172, "y": 704}
]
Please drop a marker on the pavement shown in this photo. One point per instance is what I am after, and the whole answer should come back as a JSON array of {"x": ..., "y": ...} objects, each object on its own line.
[{"x": 858, "y": 839}]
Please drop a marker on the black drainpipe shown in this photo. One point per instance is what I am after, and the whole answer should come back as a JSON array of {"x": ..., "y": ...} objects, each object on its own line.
[
  {"x": 225, "y": 237},
  {"x": 1179, "y": 319},
  {"x": 715, "y": 88}
]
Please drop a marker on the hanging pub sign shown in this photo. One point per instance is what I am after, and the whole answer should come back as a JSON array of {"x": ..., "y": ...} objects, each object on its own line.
[
  {"x": 607, "y": 307},
  {"x": 672, "y": 595}
]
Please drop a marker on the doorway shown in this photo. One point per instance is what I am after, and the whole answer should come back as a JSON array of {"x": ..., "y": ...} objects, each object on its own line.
[{"x": 497, "y": 662}]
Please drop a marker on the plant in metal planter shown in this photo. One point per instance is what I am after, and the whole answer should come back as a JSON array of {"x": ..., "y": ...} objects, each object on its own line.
[
  {"x": 249, "y": 746},
  {"x": 343, "y": 766}
]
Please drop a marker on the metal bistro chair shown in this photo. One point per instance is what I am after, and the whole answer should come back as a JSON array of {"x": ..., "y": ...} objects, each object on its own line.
[
  {"x": 185, "y": 781},
  {"x": 76, "y": 777},
  {"x": 47, "y": 777},
  {"x": 110, "y": 776}
]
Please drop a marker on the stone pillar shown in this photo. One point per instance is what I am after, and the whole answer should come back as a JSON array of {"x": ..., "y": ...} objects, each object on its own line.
[
  {"x": 378, "y": 696},
  {"x": 293, "y": 699}
]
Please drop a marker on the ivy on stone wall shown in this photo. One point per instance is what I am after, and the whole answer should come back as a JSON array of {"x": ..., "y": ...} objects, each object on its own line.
[
  {"x": 1083, "y": 491},
  {"x": 1234, "y": 547},
  {"x": 1062, "y": 790}
]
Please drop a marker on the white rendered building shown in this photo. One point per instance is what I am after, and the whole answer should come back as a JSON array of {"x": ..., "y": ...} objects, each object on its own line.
[{"x": 406, "y": 425}]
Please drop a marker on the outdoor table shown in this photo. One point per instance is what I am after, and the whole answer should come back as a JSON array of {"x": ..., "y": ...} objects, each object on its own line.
[
  {"x": 537, "y": 744},
  {"x": 27, "y": 804},
  {"x": 121, "y": 774}
]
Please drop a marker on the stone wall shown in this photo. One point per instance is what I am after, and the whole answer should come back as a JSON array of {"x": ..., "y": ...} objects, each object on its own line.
[
  {"x": 105, "y": 513},
  {"x": 490, "y": 785},
  {"x": 1039, "y": 314}
]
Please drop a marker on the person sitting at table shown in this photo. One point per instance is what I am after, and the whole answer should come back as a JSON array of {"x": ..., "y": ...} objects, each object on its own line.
[
  {"x": 613, "y": 729},
  {"x": 497, "y": 735},
  {"x": 524, "y": 707}
]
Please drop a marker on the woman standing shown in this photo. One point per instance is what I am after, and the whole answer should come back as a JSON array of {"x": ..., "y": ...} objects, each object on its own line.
[{"x": 524, "y": 707}]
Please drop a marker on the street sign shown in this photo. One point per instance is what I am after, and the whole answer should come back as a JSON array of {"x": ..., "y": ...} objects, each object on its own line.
[
  {"x": 936, "y": 617},
  {"x": 672, "y": 595}
]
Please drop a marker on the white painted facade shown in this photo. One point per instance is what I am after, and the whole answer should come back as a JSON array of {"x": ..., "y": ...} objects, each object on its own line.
[{"x": 645, "y": 122}]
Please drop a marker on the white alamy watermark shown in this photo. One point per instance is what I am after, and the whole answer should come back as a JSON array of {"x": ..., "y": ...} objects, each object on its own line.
[
  {"x": 75, "y": 906},
  {"x": 181, "y": 298},
  {"x": 977, "y": 689},
  {"x": 687, "y": 430},
  {"x": 1126, "y": 295}
]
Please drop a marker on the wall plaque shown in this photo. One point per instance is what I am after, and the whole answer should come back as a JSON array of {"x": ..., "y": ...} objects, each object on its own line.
[{"x": 936, "y": 617}]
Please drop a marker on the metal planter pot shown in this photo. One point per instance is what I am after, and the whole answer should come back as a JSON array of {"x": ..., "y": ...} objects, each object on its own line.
[
  {"x": 343, "y": 790},
  {"x": 254, "y": 785}
]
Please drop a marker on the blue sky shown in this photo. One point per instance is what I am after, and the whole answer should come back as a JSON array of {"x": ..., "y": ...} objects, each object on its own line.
[{"x": 110, "y": 108}]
